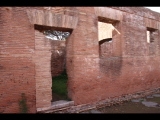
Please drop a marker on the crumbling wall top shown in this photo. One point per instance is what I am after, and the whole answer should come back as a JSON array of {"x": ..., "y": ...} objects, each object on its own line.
[{"x": 141, "y": 11}]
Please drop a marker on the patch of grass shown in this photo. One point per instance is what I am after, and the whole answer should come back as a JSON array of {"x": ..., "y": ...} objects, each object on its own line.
[{"x": 59, "y": 85}]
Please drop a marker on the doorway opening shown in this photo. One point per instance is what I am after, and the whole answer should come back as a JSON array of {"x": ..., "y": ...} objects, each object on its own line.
[{"x": 52, "y": 42}]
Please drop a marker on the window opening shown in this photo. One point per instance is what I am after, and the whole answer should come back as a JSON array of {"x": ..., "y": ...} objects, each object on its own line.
[
  {"x": 107, "y": 32},
  {"x": 150, "y": 35}
]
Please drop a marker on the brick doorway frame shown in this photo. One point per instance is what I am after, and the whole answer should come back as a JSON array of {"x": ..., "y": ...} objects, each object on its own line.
[{"x": 48, "y": 18}]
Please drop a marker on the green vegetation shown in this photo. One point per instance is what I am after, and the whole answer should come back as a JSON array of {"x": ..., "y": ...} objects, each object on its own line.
[
  {"x": 59, "y": 86},
  {"x": 23, "y": 104}
]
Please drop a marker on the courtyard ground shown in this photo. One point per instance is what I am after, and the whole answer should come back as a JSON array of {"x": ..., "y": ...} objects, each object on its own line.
[{"x": 149, "y": 104}]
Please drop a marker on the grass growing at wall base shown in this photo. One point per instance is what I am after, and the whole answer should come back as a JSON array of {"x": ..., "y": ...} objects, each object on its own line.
[
  {"x": 23, "y": 104},
  {"x": 59, "y": 87}
]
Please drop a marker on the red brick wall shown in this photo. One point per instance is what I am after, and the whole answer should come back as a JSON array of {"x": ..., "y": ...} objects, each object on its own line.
[
  {"x": 58, "y": 57},
  {"x": 130, "y": 68},
  {"x": 25, "y": 58},
  {"x": 19, "y": 66},
  {"x": 43, "y": 70},
  {"x": 83, "y": 84},
  {"x": 17, "y": 71}
]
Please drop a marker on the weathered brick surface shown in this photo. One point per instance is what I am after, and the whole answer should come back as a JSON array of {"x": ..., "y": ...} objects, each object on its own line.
[
  {"x": 17, "y": 72},
  {"x": 43, "y": 76},
  {"x": 117, "y": 75},
  {"x": 58, "y": 57},
  {"x": 127, "y": 65}
]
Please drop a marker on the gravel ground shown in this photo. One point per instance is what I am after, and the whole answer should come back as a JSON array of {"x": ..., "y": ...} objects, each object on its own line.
[{"x": 149, "y": 104}]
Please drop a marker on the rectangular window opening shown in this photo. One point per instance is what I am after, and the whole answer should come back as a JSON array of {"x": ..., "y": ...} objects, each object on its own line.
[
  {"x": 150, "y": 35},
  {"x": 108, "y": 29}
]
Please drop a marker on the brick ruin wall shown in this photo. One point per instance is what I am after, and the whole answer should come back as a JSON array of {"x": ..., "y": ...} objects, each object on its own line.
[
  {"x": 17, "y": 69},
  {"x": 128, "y": 65},
  {"x": 17, "y": 63},
  {"x": 58, "y": 58},
  {"x": 133, "y": 64}
]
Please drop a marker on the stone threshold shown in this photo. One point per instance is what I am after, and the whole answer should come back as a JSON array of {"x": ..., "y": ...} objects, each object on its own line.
[{"x": 56, "y": 106}]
